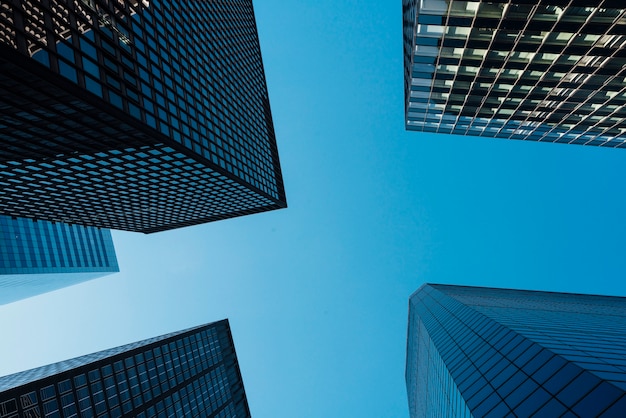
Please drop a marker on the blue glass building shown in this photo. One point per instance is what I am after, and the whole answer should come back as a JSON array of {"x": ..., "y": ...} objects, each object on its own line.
[
  {"x": 549, "y": 70},
  {"x": 483, "y": 352},
  {"x": 189, "y": 373},
  {"x": 134, "y": 114},
  {"x": 38, "y": 257}
]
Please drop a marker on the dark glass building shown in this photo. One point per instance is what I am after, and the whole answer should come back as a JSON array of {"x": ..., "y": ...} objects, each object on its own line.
[
  {"x": 39, "y": 256},
  {"x": 190, "y": 373},
  {"x": 482, "y": 352},
  {"x": 134, "y": 114},
  {"x": 550, "y": 71}
]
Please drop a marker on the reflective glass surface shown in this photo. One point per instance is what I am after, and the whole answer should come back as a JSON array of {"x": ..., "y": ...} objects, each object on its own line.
[
  {"x": 40, "y": 256},
  {"x": 548, "y": 71},
  {"x": 193, "y": 372},
  {"x": 515, "y": 352}
]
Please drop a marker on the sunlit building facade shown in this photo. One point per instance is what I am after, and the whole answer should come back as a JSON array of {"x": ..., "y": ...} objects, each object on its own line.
[
  {"x": 483, "y": 352},
  {"x": 38, "y": 256},
  {"x": 543, "y": 71},
  {"x": 134, "y": 114},
  {"x": 190, "y": 373}
]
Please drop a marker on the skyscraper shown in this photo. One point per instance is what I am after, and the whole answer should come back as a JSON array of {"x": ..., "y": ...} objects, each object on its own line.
[
  {"x": 134, "y": 115},
  {"x": 38, "y": 257},
  {"x": 543, "y": 71},
  {"x": 481, "y": 352},
  {"x": 188, "y": 373}
]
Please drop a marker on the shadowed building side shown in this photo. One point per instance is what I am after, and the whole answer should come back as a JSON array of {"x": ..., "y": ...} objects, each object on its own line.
[
  {"x": 193, "y": 372},
  {"x": 141, "y": 116}
]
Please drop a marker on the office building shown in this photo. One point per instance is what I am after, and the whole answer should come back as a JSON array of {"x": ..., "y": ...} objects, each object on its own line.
[
  {"x": 482, "y": 352},
  {"x": 134, "y": 115},
  {"x": 549, "y": 71},
  {"x": 189, "y": 373},
  {"x": 39, "y": 256}
]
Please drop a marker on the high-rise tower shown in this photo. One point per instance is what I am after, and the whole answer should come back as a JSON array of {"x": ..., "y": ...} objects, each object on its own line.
[
  {"x": 481, "y": 352},
  {"x": 38, "y": 257},
  {"x": 548, "y": 71},
  {"x": 134, "y": 114},
  {"x": 188, "y": 373}
]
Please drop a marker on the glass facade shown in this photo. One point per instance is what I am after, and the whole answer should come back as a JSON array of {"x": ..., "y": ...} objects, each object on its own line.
[
  {"x": 543, "y": 71},
  {"x": 39, "y": 256},
  {"x": 193, "y": 372},
  {"x": 135, "y": 115},
  {"x": 481, "y": 352}
]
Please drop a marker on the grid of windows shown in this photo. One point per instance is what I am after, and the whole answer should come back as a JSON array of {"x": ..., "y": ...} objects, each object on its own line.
[
  {"x": 567, "y": 335},
  {"x": 519, "y": 352},
  {"x": 39, "y": 256},
  {"x": 81, "y": 78},
  {"x": 188, "y": 373},
  {"x": 549, "y": 71},
  {"x": 433, "y": 392},
  {"x": 145, "y": 189},
  {"x": 27, "y": 246}
]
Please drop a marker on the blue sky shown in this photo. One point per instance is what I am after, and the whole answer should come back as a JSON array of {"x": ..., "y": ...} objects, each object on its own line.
[{"x": 317, "y": 294}]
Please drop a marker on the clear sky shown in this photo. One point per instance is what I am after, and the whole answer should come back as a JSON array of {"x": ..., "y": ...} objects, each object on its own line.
[{"x": 317, "y": 294}]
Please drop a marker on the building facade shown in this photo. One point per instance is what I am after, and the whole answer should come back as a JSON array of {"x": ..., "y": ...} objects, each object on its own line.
[
  {"x": 134, "y": 114},
  {"x": 482, "y": 352},
  {"x": 38, "y": 256},
  {"x": 189, "y": 373},
  {"x": 548, "y": 71}
]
